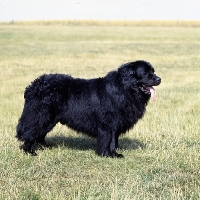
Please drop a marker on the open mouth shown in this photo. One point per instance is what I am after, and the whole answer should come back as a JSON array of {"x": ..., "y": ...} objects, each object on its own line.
[{"x": 149, "y": 90}]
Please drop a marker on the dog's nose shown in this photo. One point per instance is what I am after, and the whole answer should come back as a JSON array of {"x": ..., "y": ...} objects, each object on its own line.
[{"x": 158, "y": 79}]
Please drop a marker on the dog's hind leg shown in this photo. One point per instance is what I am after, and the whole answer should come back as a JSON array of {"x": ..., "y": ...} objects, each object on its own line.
[
  {"x": 35, "y": 122},
  {"x": 27, "y": 128},
  {"x": 37, "y": 137},
  {"x": 41, "y": 140},
  {"x": 29, "y": 147}
]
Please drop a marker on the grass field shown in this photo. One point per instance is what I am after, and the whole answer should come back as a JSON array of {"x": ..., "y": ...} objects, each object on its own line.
[{"x": 162, "y": 152}]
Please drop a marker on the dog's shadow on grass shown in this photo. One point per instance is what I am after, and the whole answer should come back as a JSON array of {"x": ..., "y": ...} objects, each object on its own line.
[
  {"x": 85, "y": 143},
  {"x": 79, "y": 143}
]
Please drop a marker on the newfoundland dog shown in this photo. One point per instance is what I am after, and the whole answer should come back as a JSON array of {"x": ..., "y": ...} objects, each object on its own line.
[{"x": 103, "y": 108}]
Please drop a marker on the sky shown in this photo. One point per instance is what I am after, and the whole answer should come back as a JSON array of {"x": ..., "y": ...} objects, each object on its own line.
[{"x": 19, "y": 10}]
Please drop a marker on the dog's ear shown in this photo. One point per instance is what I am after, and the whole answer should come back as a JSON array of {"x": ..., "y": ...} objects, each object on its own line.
[{"x": 127, "y": 74}]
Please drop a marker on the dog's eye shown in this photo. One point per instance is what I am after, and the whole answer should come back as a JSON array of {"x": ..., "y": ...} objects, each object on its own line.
[{"x": 132, "y": 73}]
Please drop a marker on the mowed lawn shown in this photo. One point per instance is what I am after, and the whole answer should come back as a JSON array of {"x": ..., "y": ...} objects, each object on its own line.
[{"x": 162, "y": 152}]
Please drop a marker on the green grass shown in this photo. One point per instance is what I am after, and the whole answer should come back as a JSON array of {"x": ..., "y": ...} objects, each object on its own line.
[{"x": 162, "y": 152}]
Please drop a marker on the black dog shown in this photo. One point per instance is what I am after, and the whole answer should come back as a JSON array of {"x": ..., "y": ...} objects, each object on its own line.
[{"x": 103, "y": 108}]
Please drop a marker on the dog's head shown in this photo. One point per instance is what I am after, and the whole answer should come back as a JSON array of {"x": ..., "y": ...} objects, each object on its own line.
[{"x": 139, "y": 74}]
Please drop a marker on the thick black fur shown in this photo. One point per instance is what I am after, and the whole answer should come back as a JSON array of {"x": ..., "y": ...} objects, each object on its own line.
[{"x": 103, "y": 108}]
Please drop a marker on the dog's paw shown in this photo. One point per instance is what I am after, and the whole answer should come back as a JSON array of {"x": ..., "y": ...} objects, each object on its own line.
[
  {"x": 118, "y": 155},
  {"x": 33, "y": 154}
]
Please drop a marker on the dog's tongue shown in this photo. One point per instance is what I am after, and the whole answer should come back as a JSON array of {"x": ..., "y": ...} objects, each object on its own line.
[{"x": 153, "y": 93}]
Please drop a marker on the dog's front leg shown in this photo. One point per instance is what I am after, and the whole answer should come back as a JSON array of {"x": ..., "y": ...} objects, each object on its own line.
[
  {"x": 106, "y": 144},
  {"x": 113, "y": 145}
]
